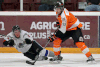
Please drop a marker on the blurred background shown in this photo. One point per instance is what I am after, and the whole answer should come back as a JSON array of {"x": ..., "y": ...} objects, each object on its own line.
[
  {"x": 90, "y": 20},
  {"x": 44, "y": 5}
]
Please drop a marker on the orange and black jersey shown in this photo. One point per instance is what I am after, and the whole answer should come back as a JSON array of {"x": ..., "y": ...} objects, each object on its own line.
[{"x": 67, "y": 21}]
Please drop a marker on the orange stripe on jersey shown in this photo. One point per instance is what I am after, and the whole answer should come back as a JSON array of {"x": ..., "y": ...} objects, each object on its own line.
[{"x": 80, "y": 25}]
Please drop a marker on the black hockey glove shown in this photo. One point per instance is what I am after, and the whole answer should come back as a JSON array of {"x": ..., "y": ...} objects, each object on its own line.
[
  {"x": 28, "y": 41},
  {"x": 11, "y": 42},
  {"x": 58, "y": 24},
  {"x": 52, "y": 38},
  {"x": 5, "y": 43}
]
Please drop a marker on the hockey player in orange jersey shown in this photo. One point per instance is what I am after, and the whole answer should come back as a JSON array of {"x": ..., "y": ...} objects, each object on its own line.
[{"x": 69, "y": 26}]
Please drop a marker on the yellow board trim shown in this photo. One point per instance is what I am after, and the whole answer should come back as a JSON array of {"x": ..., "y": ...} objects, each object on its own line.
[{"x": 64, "y": 50}]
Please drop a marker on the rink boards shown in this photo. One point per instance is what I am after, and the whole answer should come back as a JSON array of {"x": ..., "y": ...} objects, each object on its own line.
[
  {"x": 42, "y": 24},
  {"x": 64, "y": 50}
]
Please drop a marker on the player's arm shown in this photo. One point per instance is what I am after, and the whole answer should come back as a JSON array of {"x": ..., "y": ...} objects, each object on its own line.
[
  {"x": 28, "y": 38},
  {"x": 58, "y": 33},
  {"x": 62, "y": 29},
  {"x": 5, "y": 43},
  {"x": 8, "y": 41}
]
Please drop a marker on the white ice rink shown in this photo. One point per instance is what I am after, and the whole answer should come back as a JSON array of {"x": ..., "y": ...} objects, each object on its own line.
[{"x": 70, "y": 60}]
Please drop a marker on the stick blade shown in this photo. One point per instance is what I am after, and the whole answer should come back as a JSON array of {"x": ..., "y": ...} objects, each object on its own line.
[{"x": 31, "y": 63}]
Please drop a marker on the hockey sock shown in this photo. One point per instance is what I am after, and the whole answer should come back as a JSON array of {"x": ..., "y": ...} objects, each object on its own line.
[
  {"x": 83, "y": 48},
  {"x": 57, "y": 46}
]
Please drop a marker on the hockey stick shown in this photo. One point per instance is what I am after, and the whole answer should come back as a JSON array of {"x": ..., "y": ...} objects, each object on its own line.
[{"x": 32, "y": 63}]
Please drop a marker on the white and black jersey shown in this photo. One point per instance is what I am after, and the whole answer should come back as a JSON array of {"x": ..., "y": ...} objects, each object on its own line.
[
  {"x": 30, "y": 50},
  {"x": 20, "y": 44}
]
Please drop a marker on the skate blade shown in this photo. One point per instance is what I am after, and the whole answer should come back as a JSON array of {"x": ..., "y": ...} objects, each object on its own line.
[
  {"x": 92, "y": 62},
  {"x": 55, "y": 62}
]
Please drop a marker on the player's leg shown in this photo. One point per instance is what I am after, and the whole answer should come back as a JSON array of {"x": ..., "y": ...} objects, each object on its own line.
[
  {"x": 30, "y": 55},
  {"x": 57, "y": 45},
  {"x": 57, "y": 51},
  {"x": 33, "y": 56},
  {"x": 79, "y": 41},
  {"x": 38, "y": 49}
]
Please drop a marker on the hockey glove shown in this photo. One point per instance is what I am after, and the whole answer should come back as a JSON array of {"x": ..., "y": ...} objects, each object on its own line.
[
  {"x": 5, "y": 43},
  {"x": 11, "y": 42},
  {"x": 52, "y": 38},
  {"x": 28, "y": 41},
  {"x": 58, "y": 24}
]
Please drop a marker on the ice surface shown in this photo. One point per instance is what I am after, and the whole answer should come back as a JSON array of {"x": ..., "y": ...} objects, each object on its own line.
[{"x": 70, "y": 60}]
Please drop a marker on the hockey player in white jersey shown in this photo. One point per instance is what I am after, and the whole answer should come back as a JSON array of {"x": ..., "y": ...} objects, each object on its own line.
[{"x": 24, "y": 43}]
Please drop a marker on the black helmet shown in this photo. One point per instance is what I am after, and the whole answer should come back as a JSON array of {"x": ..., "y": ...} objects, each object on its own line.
[
  {"x": 16, "y": 27},
  {"x": 59, "y": 5}
]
